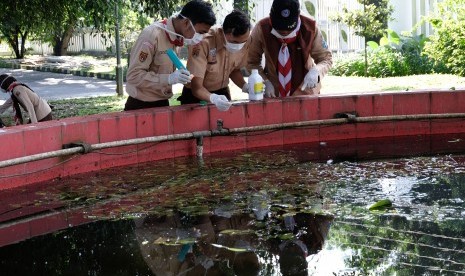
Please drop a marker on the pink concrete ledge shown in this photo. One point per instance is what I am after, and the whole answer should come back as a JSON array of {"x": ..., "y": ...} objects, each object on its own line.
[{"x": 44, "y": 137}]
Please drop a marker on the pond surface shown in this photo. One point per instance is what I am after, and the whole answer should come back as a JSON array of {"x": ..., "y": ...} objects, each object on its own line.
[{"x": 249, "y": 213}]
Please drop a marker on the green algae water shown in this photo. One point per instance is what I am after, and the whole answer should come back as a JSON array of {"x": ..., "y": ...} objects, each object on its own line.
[{"x": 276, "y": 212}]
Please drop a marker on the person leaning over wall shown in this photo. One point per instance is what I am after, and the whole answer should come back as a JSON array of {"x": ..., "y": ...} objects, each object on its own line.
[
  {"x": 218, "y": 58},
  {"x": 151, "y": 73},
  {"x": 296, "y": 55},
  {"x": 24, "y": 97}
]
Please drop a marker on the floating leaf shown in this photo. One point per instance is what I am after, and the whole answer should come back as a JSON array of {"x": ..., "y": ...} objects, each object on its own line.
[
  {"x": 286, "y": 236},
  {"x": 384, "y": 203},
  {"x": 173, "y": 242},
  {"x": 230, "y": 248},
  {"x": 235, "y": 232}
]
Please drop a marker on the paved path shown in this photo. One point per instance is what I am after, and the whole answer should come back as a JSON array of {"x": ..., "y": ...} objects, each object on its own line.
[
  {"x": 52, "y": 86},
  {"x": 61, "y": 86}
]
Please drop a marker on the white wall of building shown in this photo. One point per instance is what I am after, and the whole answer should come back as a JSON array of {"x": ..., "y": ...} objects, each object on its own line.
[{"x": 408, "y": 15}]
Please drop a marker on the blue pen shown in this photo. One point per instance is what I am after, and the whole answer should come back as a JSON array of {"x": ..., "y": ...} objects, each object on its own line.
[{"x": 175, "y": 60}]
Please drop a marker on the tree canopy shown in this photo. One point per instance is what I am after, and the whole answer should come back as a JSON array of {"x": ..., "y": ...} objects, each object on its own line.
[
  {"x": 369, "y": 22},
  {"x": 55, "y": 21}
]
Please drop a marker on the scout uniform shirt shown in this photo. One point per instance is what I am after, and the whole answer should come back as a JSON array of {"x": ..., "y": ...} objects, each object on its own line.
[
  {"x": 150, "y": 66},
  {"x": 211, "y": 61},
  {"x": 35, "y": 106},
  {"x": 309, "y": 50}
]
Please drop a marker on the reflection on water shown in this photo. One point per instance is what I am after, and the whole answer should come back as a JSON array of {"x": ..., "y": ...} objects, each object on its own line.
[
  {"x": 422, "y": 234},
  {"x": 234, "y": 245},
  {"x": 270, "y": 213}
]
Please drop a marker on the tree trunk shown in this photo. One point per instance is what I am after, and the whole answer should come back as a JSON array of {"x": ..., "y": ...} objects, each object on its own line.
[
  {"x": 20, "y": 50},
  {"x": 14, "y": 45},
  {"x": 23, "y": 44},
  {"x": 61, "y": 43}
]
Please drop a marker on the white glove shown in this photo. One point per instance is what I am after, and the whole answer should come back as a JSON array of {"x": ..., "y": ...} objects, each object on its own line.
[
  {"x": 220, "y": 101},
  {"x": 179, "y": 76},
  {"x": 311, "y": 79},
  {"x": 269, "y": 90},
  {"x": 245, "y": 88}
]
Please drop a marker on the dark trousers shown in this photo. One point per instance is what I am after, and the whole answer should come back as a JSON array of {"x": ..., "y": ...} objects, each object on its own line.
[
  {"x": 187, "y": 97},
  {"x": 49, "y": 117},
  {"x": 133, "y": 104}
]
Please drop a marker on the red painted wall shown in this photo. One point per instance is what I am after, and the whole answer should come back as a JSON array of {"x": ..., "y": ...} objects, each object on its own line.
[{"x": 50, "y": 136}]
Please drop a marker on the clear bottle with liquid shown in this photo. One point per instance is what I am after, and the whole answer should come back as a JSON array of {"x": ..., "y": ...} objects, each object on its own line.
[{"x": 255, "y": 83}]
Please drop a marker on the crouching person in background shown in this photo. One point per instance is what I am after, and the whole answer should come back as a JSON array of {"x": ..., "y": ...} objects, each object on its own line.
[{"x": 24, "y": 97}]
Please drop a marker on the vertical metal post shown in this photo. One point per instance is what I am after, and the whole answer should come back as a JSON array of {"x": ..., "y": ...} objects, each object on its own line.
[
  {"x": 119, "y": 68},
  {"x": 199, "y": 150}
]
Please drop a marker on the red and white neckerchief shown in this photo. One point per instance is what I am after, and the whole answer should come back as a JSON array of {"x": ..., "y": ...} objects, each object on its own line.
[
  {"x": 178, "y": 41},
  {"x": 285, "y": 64},
  {"x": 285, "y": 67}
]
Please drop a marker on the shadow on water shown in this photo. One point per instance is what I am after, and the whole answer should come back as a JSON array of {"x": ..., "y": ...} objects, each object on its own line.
[{"x": 293, "y": 211}]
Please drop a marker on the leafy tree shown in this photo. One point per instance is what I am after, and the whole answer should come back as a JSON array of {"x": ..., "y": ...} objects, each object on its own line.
[
  {"x": 447, "y": 44},
  {"x": 64, "y": 16},
  {"x": 369, "y": 22},
  {"x": 131, "y": 22},
  {"x": 55, "y": 21},
  {"x": 21, "y": 19}
]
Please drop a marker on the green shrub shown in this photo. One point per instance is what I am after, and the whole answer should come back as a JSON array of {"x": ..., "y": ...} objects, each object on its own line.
[
  {"x": 393, "y": 56},
  {"x": 447, "y": 47},
  {"x": 348, "y": 65}
]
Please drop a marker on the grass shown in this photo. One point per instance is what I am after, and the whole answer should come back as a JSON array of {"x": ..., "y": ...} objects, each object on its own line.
[
  {"x": 341, "y": 85},
  {"x": 87, "y": 106},
  {"x": 94, "y": 105}
]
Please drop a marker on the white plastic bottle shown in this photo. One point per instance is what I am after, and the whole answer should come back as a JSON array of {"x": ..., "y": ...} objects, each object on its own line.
[{"x": 255, "y": 86}]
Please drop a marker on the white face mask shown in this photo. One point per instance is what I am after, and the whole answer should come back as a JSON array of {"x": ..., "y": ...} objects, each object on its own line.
[
  {"x": 291, "y": 35},
  {"x": 233, "y": 47},
  {"x": 196, "y": 38}
]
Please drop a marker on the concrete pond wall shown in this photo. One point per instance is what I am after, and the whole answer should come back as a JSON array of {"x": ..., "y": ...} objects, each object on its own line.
[{"x": 26, "y": 140}]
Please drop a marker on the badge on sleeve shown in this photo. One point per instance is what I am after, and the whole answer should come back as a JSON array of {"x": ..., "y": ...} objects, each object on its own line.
[
  {"x": 143, "y": 56},
  {"x": 196, "y": 50},
  {"x": 324, "y": 44},
  {"x": 212, "y": 56}
]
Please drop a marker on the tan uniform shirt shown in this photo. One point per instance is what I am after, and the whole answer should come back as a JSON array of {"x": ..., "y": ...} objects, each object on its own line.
[
  {"x": 211, "y": 61},
  {"x": 150, "y": 66},
  {"x": 320, "y": 56},
  {"x": 36, "y": 107}
]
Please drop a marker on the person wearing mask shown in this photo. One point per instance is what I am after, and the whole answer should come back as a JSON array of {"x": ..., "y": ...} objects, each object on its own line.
[
  {"x": 24, "y": 97},
  {"x": 151, "y": 73},
  {"x": 218, "y": 58},
  {"x": 296, "y": 55}
]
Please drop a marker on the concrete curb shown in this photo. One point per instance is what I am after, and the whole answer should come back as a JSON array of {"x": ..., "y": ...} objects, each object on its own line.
[{"x": 105, "y": 76}]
